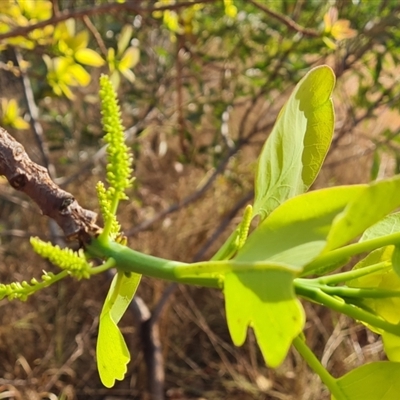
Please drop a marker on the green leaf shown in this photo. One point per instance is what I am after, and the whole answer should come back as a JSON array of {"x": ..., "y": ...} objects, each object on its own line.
[
  {"x": 391, "y": 345},
  {"x": 296, "y": 232},
  {"x": 376, "y": 201},
  {"x": 386, "y": 226},
  {"x": 112, "y": 352},
  {"x": 375, "y": 381},
  {"x": 293, "y": 154},
  {"x": 264, "y": 300},
  {"x": 387, "y": 308},
  {"x": 396, "y": 260}
]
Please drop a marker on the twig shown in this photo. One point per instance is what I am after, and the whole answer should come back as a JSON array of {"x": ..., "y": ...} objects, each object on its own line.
[
  {"x": 102, "y": 9},
  {"x": 95, "y": 34},
  {"x": 286, "y": 20}
]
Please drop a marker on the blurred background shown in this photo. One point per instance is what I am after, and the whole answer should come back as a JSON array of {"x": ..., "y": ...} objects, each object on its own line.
[{"x": 200, "y": 85}]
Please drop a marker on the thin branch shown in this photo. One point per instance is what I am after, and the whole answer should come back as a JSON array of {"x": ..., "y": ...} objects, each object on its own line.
[
  {"x": 286, "y": 20},
  {"x": 102, "y": 9},
  {"x": 96, "y": 34}
]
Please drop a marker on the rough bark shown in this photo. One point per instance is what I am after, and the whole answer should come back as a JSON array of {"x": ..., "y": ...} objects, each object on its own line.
[{"x": 32, "y": 179}]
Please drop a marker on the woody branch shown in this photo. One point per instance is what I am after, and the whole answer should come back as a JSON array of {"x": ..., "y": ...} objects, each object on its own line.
[{"x": 33, "y": 180}]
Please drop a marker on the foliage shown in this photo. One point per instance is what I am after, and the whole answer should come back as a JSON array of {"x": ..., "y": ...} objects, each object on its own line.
[
  {"x": 301, "y": 154},
  {"x": 258, "y": 53},
  {"x": 299, "y": 235},
  {"x": 112, "y": 351}
]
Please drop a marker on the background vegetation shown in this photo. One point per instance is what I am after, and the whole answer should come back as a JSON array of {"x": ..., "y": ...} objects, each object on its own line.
[{"x": 200, "y": 85}]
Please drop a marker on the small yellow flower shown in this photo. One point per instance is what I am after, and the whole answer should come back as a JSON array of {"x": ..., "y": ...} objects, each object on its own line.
[{"x": 10, "y": 114}]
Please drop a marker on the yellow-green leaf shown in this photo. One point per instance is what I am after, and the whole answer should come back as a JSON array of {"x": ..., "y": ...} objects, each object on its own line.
[
  {"x": 391, "y": 345},
  {"x": 296, "y": 232},
  {"x": 372, "y": 204},
  {"x": 112, "y": 353},
  {"x": 293, "y": 154},
  {"x": 388, "y": 307},
  {"x": 374, "y": 381},
  {"x": 264, "y": 300}
]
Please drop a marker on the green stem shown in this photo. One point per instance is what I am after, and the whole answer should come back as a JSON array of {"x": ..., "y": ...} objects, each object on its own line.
[
  {"x": 353, "y": 274},
  {"x": 317, "y": 295},
  {"x": 313, "y": 362},
  {"x": 334, "y": 256},
  {"x": 108, "y": 223},
  {"x": 346, "y": 291},
  {"x": 129, "y": 260},
  {"x": 360, "y": 293},
  {"x": 205, "y": 273},
  {"x": 110, "y": 263},
  {"x": 31, "y": 289},
  {"x": 55, "y": 278},
  {"x": 223, "y": 266}
]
